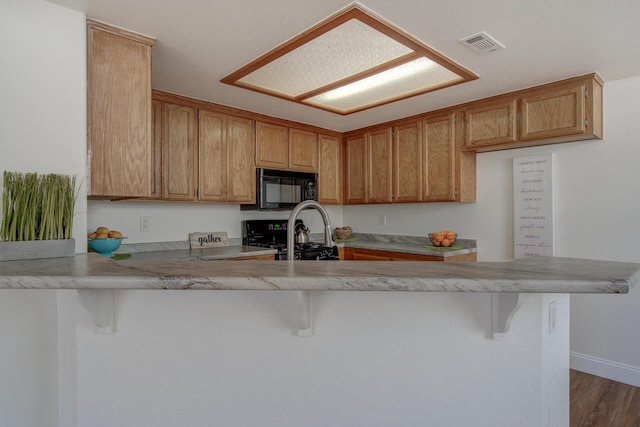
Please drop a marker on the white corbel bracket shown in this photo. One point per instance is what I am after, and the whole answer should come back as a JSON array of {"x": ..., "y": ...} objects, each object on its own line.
[
  {"x": 99, "y": 304},
  {"x": 305, "y": 325},
  {"x": 503, "y": 306}
]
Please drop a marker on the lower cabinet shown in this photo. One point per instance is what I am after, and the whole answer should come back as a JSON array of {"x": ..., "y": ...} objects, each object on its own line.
[{"x": 358, "y": 254}]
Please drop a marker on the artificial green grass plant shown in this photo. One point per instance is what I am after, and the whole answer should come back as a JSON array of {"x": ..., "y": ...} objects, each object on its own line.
[{"x": 37, "y": 207}]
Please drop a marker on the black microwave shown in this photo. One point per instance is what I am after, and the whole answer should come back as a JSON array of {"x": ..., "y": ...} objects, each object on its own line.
[{"x": 282, "y": 190}]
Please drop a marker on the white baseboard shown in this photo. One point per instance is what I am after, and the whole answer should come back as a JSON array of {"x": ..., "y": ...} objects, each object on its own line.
[{"x": 605, "y": 368}]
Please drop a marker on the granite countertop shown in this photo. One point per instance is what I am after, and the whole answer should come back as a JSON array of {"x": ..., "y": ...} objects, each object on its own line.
[
  {"x": 207, "y": 254},
  {"x": 529, "y": 275},
  {"x": 381, "y": 242},
  {"x": 407, "y": 244}
]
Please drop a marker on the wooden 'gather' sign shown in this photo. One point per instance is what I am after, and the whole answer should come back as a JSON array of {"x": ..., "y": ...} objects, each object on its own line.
[{"x": 210, "y": 239}]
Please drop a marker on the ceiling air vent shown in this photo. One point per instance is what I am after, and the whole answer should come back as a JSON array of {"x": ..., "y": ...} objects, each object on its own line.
[{"x": 481, "y": 43}]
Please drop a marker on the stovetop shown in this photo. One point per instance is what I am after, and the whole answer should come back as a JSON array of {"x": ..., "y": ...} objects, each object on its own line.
[
  {"x": 309, "y": 251},
  {"x": 273, "y": 234}
]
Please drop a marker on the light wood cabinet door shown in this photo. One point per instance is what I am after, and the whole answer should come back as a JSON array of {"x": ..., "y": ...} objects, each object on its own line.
[
  {"x": 212, "y": 147},
  {"x": 272, "y": 146},
  {"x": 119, "y": 134},
  {"x": 439, "y": 160},
  {"x": 303, "y": 150},
  {"x": 330, "y": 170},
  {"x": 490, "y": 124},
  {"x": 553, "y": 113},
  {"x": 356, "y": 170},
  {"x": 380, "y": 166},
  {"x": 156, "y": 175},
  {"x": 179, "y": 153},
  {"x": 360, "y": 255},
  {"x": 407, "y": 163},
  {"x": 568, "y": 110},
  {"x": 241, "y": 185}
]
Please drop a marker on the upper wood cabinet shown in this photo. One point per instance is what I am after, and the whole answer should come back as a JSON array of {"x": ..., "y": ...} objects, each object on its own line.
[
  {"x": 226, "y": 146},
  {"x": 303, "y": 150},
  {"x": 179, "y": 153},
  {"x": 568, "y": 110},
  {"x": 563, "y": 111},
  {"x": 356, "y": 170},
  {"x": 206, "y": 155},
  {"x": 416, "y": 161},
  {"x": 212, "y": 159},
  {"x": 379, "y": 166},
  {"x": 281, "y": 147},
  {"x": 408, "y": 147},
  {"x": 490, "y": 124},
  {"x": 439, "y": 161},
  {"x": 330, "y": 170},
  {"x": 119, "y": 134},
  {"x": 272, "y": 146},
  {"x": 156, "y": 174},
  {"x": 241, "y": 174}
]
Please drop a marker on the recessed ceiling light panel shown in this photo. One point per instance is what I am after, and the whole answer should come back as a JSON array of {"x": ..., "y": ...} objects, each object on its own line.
[
  {"x": 350, "y": 62},
  {"x": 349, "y": 49},
  {"x": 396, "y": 83}
]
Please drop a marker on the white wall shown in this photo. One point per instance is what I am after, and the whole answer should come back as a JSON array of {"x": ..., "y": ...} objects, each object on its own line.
[
  {"x": 193, "y": 358},
  {"x": 597, "y": 203},
  {"x": 171, "y": 221},
  {"x": 42, "y": 129}
]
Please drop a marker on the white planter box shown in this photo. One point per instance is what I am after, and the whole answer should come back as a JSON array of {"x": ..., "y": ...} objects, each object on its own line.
[{"x": 34, "y": 249}]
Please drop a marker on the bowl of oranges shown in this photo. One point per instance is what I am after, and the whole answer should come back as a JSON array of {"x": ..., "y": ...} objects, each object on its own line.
[
  {"x": 443, "y": 238},
  {"x": 105, "y": 241}
]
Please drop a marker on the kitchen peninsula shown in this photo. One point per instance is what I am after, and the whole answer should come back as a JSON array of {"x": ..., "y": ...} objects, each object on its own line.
[
  {"x": 528, "y": 275},
  {"x": 424, "y": 332}
]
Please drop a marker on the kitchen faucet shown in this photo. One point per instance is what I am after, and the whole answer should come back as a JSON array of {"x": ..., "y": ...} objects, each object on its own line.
[{"x": 328, "y": 236}]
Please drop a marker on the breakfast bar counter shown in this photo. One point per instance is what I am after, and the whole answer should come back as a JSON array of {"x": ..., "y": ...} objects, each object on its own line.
[
  {"x": 437, "y": 323},
  {"x": 528, "y": 275}
]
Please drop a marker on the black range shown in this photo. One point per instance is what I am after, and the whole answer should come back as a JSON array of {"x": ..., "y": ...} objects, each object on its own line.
[{"x": 272, "y": 233}]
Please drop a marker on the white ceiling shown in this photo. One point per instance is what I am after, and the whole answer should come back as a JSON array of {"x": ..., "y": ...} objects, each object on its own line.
[{"x": 200, "y": 41}]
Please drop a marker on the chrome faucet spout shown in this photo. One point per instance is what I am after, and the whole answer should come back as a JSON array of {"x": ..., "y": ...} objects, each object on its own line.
[{"x": 328, "y": 235}]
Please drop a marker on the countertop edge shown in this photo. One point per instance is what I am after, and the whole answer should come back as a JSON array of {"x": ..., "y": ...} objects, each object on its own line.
[{"x": 540, "y": 275}]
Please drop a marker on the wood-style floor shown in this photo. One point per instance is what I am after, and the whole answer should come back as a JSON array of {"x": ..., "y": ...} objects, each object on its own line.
[{"x": 599, "y": 402}]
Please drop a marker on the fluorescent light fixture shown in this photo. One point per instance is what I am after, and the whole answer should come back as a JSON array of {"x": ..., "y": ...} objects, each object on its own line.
[{"x": 350, "y": 62}]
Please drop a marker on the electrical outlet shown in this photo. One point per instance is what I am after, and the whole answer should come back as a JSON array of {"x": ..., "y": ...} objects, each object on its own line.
[
  {"x": 553, "y": 317},
  {"x": 145, "y": 223},
  {"x": 383, "y": 220}
]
